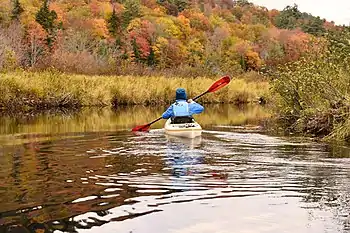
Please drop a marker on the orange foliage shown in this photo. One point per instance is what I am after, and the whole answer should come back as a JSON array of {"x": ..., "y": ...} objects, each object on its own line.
[
  {"x": 197, "y": 20},
  {"x": 143, "y": 46},
  {"x": 61, "y": 15},
  {"x": 253, "y": 61},
  {"x": 36, "y": 30},
  {"x": 143, "y": 34},
  {"x": 99, "y": 28},
  {"x": 329, "y": 25}
]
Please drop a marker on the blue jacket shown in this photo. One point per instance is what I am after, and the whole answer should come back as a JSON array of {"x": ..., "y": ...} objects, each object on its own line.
[{"x": 188, "y": 109}]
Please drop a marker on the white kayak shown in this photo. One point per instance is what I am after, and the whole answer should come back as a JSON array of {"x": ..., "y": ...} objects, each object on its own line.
[{"x": 188, "y": 130}]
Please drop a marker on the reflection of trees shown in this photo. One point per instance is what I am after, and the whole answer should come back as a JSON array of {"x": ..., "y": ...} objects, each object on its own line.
[
  {"x": 105, "y": 119},
  {"x": 38, "y": 178},
  {"x": 58, "y": 211}
]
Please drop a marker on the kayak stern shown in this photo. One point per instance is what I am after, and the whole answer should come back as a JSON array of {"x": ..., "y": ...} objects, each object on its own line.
[{"x": 188, "y": 130}]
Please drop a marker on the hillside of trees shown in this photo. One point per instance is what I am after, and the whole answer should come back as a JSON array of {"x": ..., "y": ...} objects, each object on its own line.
[{"x": 131, "y": 36}]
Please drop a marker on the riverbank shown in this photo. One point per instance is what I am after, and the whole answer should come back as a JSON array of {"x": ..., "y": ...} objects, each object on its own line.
[
  {"x": 312, "y": 95},
  {"x": 23, "y": 91}
]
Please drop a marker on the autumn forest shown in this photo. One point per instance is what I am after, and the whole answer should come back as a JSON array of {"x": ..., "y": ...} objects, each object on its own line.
[{"x": 117, "y": 37}]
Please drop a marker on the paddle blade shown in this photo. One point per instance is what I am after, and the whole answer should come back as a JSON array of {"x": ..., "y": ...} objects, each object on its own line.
[
  {"x": 141, "y": 128},
  {"x": 220, "y": 83}
]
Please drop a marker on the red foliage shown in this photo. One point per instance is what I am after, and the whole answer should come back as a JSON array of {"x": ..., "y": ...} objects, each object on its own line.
[
  {"x": 94, "y": 7},
  {"x": 143, "y": 37},
  {"x": 144, "y": 47},
  {"x": 295, "y": 43}
]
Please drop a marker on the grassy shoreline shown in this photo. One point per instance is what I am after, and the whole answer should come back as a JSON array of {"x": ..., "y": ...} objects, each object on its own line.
[{"x": 23, "y": 91}]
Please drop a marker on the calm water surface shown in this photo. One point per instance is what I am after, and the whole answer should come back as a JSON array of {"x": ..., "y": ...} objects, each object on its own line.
[{"x": 86, "y": 172}]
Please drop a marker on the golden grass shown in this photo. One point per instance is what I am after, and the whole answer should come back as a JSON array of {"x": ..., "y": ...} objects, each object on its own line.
[{"x": 23, "y": 90}]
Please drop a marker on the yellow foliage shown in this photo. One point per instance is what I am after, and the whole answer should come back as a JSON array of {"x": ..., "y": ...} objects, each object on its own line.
[
  {"x": 160, "y": 45},
  {"x": 195, "y": 52},
  {"x": 105, "y": 9},
  {"x": 5, "y": 9},
  {"x": 230, "y": 41},
  {"x": 30, "y": 7},
  {"x": 10, "y": 60},
  {"x": 184, "y": 24},
  {"x": 169, "y": 27},
  {"x": 134, "y": 24},
  {"x": 216, "y": 21}
]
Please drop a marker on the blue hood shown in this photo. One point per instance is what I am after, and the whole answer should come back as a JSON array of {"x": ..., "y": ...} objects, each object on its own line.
[{"x": 181, "y": 94}]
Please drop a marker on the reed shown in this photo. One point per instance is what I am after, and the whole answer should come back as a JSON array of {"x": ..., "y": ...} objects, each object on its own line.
[{"x": 24, "y": 90}]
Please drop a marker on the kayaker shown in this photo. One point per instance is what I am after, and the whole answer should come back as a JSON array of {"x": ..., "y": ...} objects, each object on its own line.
[{"x": 182, "y": 110}]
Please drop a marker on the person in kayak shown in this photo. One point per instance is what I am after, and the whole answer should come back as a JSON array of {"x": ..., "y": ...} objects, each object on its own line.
[{"x": 182, "y": 110}]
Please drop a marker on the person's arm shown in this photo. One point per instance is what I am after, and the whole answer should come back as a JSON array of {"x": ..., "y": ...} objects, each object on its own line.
[
  {"x": 168, "y": 113},
  {"x": 194, "y": 107}
]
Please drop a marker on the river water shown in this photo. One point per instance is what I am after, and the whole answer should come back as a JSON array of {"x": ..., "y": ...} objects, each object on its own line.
[{"x": 86, "y": 172}]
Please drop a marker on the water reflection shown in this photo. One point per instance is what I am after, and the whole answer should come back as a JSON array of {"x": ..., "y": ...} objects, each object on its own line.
[
  {"x": 45, "y": 126},
  {"x": 182, "y": 155},
  {"x": 87, "y": 178}
]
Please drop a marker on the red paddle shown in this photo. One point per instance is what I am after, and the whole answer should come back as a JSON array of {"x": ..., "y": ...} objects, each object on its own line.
[{"x": 214, "y": 87}]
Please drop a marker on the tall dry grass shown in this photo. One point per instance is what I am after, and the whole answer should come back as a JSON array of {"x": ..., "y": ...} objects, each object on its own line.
[{"x": 51, "y": 89}]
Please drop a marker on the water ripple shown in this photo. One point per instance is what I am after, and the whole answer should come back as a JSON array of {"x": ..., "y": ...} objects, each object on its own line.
[{"x": 95, "y": 180}]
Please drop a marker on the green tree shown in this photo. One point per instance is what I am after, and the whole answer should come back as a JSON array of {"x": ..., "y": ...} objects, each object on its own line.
[
  {"x": 242, "y": 3},
  {"x": 17, "y": 10},
  {"x": 180, "y": 4},
  {"x": 47, "y": 19},
  {"x": 132, "y": 11},
  {"x": 136, "y": 51},
  {"x": 288, "y": 19},
  {"x": 151, "y": 60},
  {"x": 114, "y": 24},
  {"x": 314, "y": 26}
]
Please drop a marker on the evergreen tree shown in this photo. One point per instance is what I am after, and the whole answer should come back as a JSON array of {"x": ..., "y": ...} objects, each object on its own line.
[
  {"x": 132, "y": 11},
  {"x": 17, "y": 10},
  {"x": 288, "y": 19},
  {"x": 151, "y": 60},
  {"x": 46, "y": 19},
  {"x": 136, "y": 50},
  {"x": 314, "y": 26},
  {"x": 114, "y": 23}
]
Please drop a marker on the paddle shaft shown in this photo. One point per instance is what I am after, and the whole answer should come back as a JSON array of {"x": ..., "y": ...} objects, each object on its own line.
[
  {"x": 200, "y": 95},
  {"x": 158, "y": 119}
]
